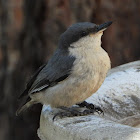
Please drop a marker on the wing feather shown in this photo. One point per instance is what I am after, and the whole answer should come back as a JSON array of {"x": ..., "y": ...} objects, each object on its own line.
[
  {"x": 57, "y": 69},
  {"x": 30, "y": 82}
]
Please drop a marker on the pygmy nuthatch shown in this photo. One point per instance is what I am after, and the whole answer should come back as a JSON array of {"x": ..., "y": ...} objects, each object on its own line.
[{"x": 76, "y": 70}]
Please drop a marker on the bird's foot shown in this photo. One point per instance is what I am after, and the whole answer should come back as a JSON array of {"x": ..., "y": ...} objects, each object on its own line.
[
  {"x": 91, "y": 107},
  {"x": 70, "y": 112}
]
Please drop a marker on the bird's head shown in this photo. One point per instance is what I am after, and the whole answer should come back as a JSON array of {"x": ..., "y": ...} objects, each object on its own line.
[{"x": 82, "y": 34}]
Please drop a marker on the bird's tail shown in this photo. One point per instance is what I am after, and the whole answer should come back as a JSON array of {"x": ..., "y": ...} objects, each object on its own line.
[{"x": 25, "y": 107}]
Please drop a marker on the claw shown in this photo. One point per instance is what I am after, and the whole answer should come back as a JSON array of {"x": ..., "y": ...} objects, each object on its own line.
[
  {"x": 72, "y": 113},
  {"x": 99, "y": 110},
  {"x": 57, "y": 114},
  {"x": 60, "y": 114},
  {"x": 91, "y": 107},
  {"x": 65, "y": 114}
]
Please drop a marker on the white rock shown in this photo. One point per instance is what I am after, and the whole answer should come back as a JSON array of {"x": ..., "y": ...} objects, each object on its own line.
[{"x": 119, "y": 97}]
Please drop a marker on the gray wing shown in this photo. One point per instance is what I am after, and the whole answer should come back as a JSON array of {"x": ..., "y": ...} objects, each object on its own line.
[
  {"x": 31, "y": 81},
  {"x": 58, "y": 68}
]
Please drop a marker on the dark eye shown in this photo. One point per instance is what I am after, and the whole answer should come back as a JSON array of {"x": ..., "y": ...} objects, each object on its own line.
[{"x": 83, "y": 34}]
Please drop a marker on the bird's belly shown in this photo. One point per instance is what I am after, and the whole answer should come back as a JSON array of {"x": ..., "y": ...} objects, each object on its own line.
[
  {"x": 86, "y": 79},
  {"x": 68, "y": 93},
  {"x": 73, "y": 90}
]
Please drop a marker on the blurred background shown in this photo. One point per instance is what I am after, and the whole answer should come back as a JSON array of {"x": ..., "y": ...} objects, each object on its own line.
[{"x": 29, "y": 32}]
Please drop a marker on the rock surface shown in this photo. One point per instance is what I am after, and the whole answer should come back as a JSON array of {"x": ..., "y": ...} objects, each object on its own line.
[{"x": 119, "y": 97}]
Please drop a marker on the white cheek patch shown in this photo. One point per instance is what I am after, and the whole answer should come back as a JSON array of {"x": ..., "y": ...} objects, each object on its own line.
[{"x": 89, "y": 40}]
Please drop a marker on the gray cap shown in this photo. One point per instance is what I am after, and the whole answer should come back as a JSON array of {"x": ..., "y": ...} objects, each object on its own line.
[{"x": 79, "y": 30}]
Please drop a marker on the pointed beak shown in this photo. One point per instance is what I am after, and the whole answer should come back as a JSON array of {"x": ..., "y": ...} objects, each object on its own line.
[{"x": 104, "y": 26}]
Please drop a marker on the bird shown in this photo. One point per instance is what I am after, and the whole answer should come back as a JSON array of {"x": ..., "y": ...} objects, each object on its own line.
[{"x": 75, "y": 71}]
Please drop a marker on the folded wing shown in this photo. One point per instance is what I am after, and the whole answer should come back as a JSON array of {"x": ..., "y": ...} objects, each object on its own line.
[{"x": 57, "y": 69}]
